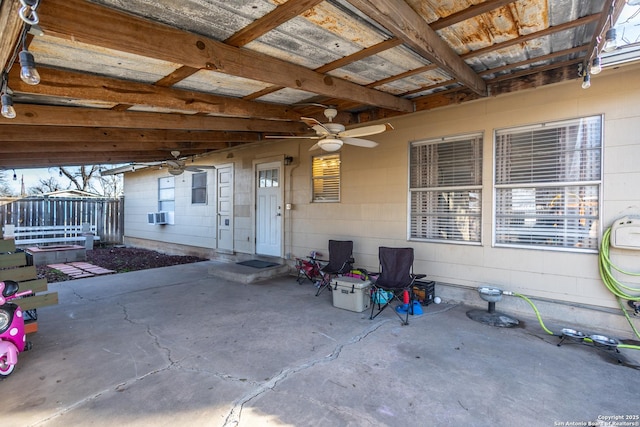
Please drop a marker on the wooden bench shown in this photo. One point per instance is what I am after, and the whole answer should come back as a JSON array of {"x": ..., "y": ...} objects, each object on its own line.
[
  {"x": 13, "y": 266},
  {"x": 52, "y": 234}
]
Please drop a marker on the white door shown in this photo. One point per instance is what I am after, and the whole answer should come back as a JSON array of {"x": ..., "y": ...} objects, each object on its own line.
[
  {"x": 224, "y": 207},
  {"x": 269, "y": 209}
]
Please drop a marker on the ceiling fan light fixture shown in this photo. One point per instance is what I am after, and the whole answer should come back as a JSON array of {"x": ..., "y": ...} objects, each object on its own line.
[
  {"x": 330, "y": 144},
  {"x": 176, "y": 172}
]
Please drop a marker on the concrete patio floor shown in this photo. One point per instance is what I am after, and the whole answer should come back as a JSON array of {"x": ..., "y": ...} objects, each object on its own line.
[{"x": 182, "y": 346}]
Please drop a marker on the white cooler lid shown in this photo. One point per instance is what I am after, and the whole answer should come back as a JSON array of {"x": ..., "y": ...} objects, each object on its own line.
[{"x": 349, "y": 282}]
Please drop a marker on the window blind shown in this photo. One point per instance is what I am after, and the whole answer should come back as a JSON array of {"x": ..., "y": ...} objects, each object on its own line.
[
  {"x": 326, "y": 178},
  {"x": 445, "y": 186},
  {"x": 547, "y": 184}
]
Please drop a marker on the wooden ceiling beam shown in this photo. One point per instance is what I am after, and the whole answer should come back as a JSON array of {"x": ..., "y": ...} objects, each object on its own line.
[
  {"x": 532, "y": 36},
  {"x": 108, "y": 28},
  {"x": 87, "y": 146},
  {"x": 271, "y": 20},
  {"x": 468, "y": 13},
  {"x": 77, "y": 85},
  {"x": 29, "y": 114},
  {"x": 62, "y": 134},
  {"x": 527, "y": 79},
  {"x": 55, "y": 159},
  {"x": 11, "y": 26},
  {"x": 399, "y": 18}
]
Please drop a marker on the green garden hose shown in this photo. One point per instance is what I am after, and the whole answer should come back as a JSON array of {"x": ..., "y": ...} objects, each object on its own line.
[
  {"x": 586, "y": 339},
  {"x": 535, "y": 309},
  {"x": 617, "y": 288}
]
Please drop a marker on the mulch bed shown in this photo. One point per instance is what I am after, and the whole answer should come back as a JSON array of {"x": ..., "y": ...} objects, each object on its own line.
[{"x": 121, "y": 260}]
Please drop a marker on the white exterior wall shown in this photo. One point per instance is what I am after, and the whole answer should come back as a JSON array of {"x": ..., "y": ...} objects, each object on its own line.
[
  {"x": 194, "y": 224},
  {"x": 374, "y": 190}
]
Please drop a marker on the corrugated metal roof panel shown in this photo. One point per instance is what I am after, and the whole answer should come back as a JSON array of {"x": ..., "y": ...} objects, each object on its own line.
[
  {"x": 218, "y": 19},
  {"x": 319, "y": 36},
  {"x": 67, "y": 54},
  {"x": 220, "y": 84},
  {"x": 287, "y": 96}
]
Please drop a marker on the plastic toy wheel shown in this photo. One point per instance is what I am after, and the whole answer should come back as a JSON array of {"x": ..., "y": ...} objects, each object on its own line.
[{"x": 5, "y": 368}]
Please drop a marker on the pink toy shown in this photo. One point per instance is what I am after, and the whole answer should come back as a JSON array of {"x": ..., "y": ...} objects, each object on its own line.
[{"x": 13, "y": 339}]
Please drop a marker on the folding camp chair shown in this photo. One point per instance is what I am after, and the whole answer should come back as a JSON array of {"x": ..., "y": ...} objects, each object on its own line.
[
  {"x": 340, "y": 262},
  {"x": 394, "y": 281}
]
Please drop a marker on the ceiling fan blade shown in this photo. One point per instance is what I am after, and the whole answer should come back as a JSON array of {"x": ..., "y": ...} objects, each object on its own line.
[
  {"x": 147, "y": 164},
  {"x": 321, "y": 131},
  {"x": 366, "y": 130},
  {"x": 314, "y": 147},
  {"x": 359, "y": 142},
  {"x": 316, "y": 125},
  {"x": 292, "y": 137},
  {"x": 175, "y": 163},
  {"x": 310, "y": 121}
]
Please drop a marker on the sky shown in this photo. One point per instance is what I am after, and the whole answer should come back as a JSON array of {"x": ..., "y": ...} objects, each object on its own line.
[
  {"x": 31, "y": 177},
  {"x": 627, "y": 28}
]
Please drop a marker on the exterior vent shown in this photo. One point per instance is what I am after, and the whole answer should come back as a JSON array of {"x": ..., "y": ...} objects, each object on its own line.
[{"x": 151, "y": 218}]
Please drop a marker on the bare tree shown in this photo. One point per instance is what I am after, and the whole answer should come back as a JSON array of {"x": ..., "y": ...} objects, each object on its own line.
[
  {"x": 47, "y": 185},
  {"x": 5, "y": 188},
  {"x": 81, "y": 178},
  {"x": 109, "y": 186}
]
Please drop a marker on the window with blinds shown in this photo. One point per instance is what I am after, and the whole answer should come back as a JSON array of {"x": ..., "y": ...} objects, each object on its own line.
[
  {"x": 547, "y": 185},
  {"x": 326, "y": 178},
  {"x": 199, "y": 188},
  {"x": 445, "y": 189}
]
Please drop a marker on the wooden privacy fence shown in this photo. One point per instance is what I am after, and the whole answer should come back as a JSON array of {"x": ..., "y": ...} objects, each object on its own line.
[{"x": 106, "y": 216}]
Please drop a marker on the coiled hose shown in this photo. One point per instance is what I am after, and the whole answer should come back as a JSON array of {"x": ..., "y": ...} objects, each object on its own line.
[{"x": 617, "y": 288}]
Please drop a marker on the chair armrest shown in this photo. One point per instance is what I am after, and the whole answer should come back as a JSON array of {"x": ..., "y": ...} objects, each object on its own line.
[{"x": 418, "y": 276}]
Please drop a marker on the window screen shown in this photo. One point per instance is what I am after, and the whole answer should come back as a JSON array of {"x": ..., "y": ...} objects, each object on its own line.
[
  {"x": 199, "y": 188},
  {"x": 445, "y": 188},
  {"x": 326, "y": 178},
  {"x": 547, "y": 184}
]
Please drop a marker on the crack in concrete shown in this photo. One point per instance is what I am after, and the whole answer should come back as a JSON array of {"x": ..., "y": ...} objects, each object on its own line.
[
  {"x": 125, "y": 384},
  {"x": 118, "y": 387},
  {"x": 233, "y": 419},
  {"x": 154, "y": 337}
]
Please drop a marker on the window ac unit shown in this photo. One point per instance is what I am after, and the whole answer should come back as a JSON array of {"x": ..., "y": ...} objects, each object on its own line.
[{"x": 162, "y": 217}]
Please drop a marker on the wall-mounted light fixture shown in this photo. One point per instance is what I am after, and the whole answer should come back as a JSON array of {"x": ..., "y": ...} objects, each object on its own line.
[{"x": 288, "y": 160}]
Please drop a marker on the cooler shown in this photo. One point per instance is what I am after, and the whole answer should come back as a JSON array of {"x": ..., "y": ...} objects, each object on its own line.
[{"x": 351, "y": 293}]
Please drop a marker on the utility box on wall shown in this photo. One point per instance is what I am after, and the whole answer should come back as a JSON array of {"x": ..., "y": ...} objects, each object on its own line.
[{"x": 625, "y": 233}]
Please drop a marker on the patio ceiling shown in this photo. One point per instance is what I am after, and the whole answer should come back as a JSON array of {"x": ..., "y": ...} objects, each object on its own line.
[{"x": 129, "y": 81}]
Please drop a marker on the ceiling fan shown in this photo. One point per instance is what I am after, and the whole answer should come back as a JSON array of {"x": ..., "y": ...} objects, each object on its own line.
[
  {"x": 332, "y": 135},
  {"x": 177, "y": 166}
]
